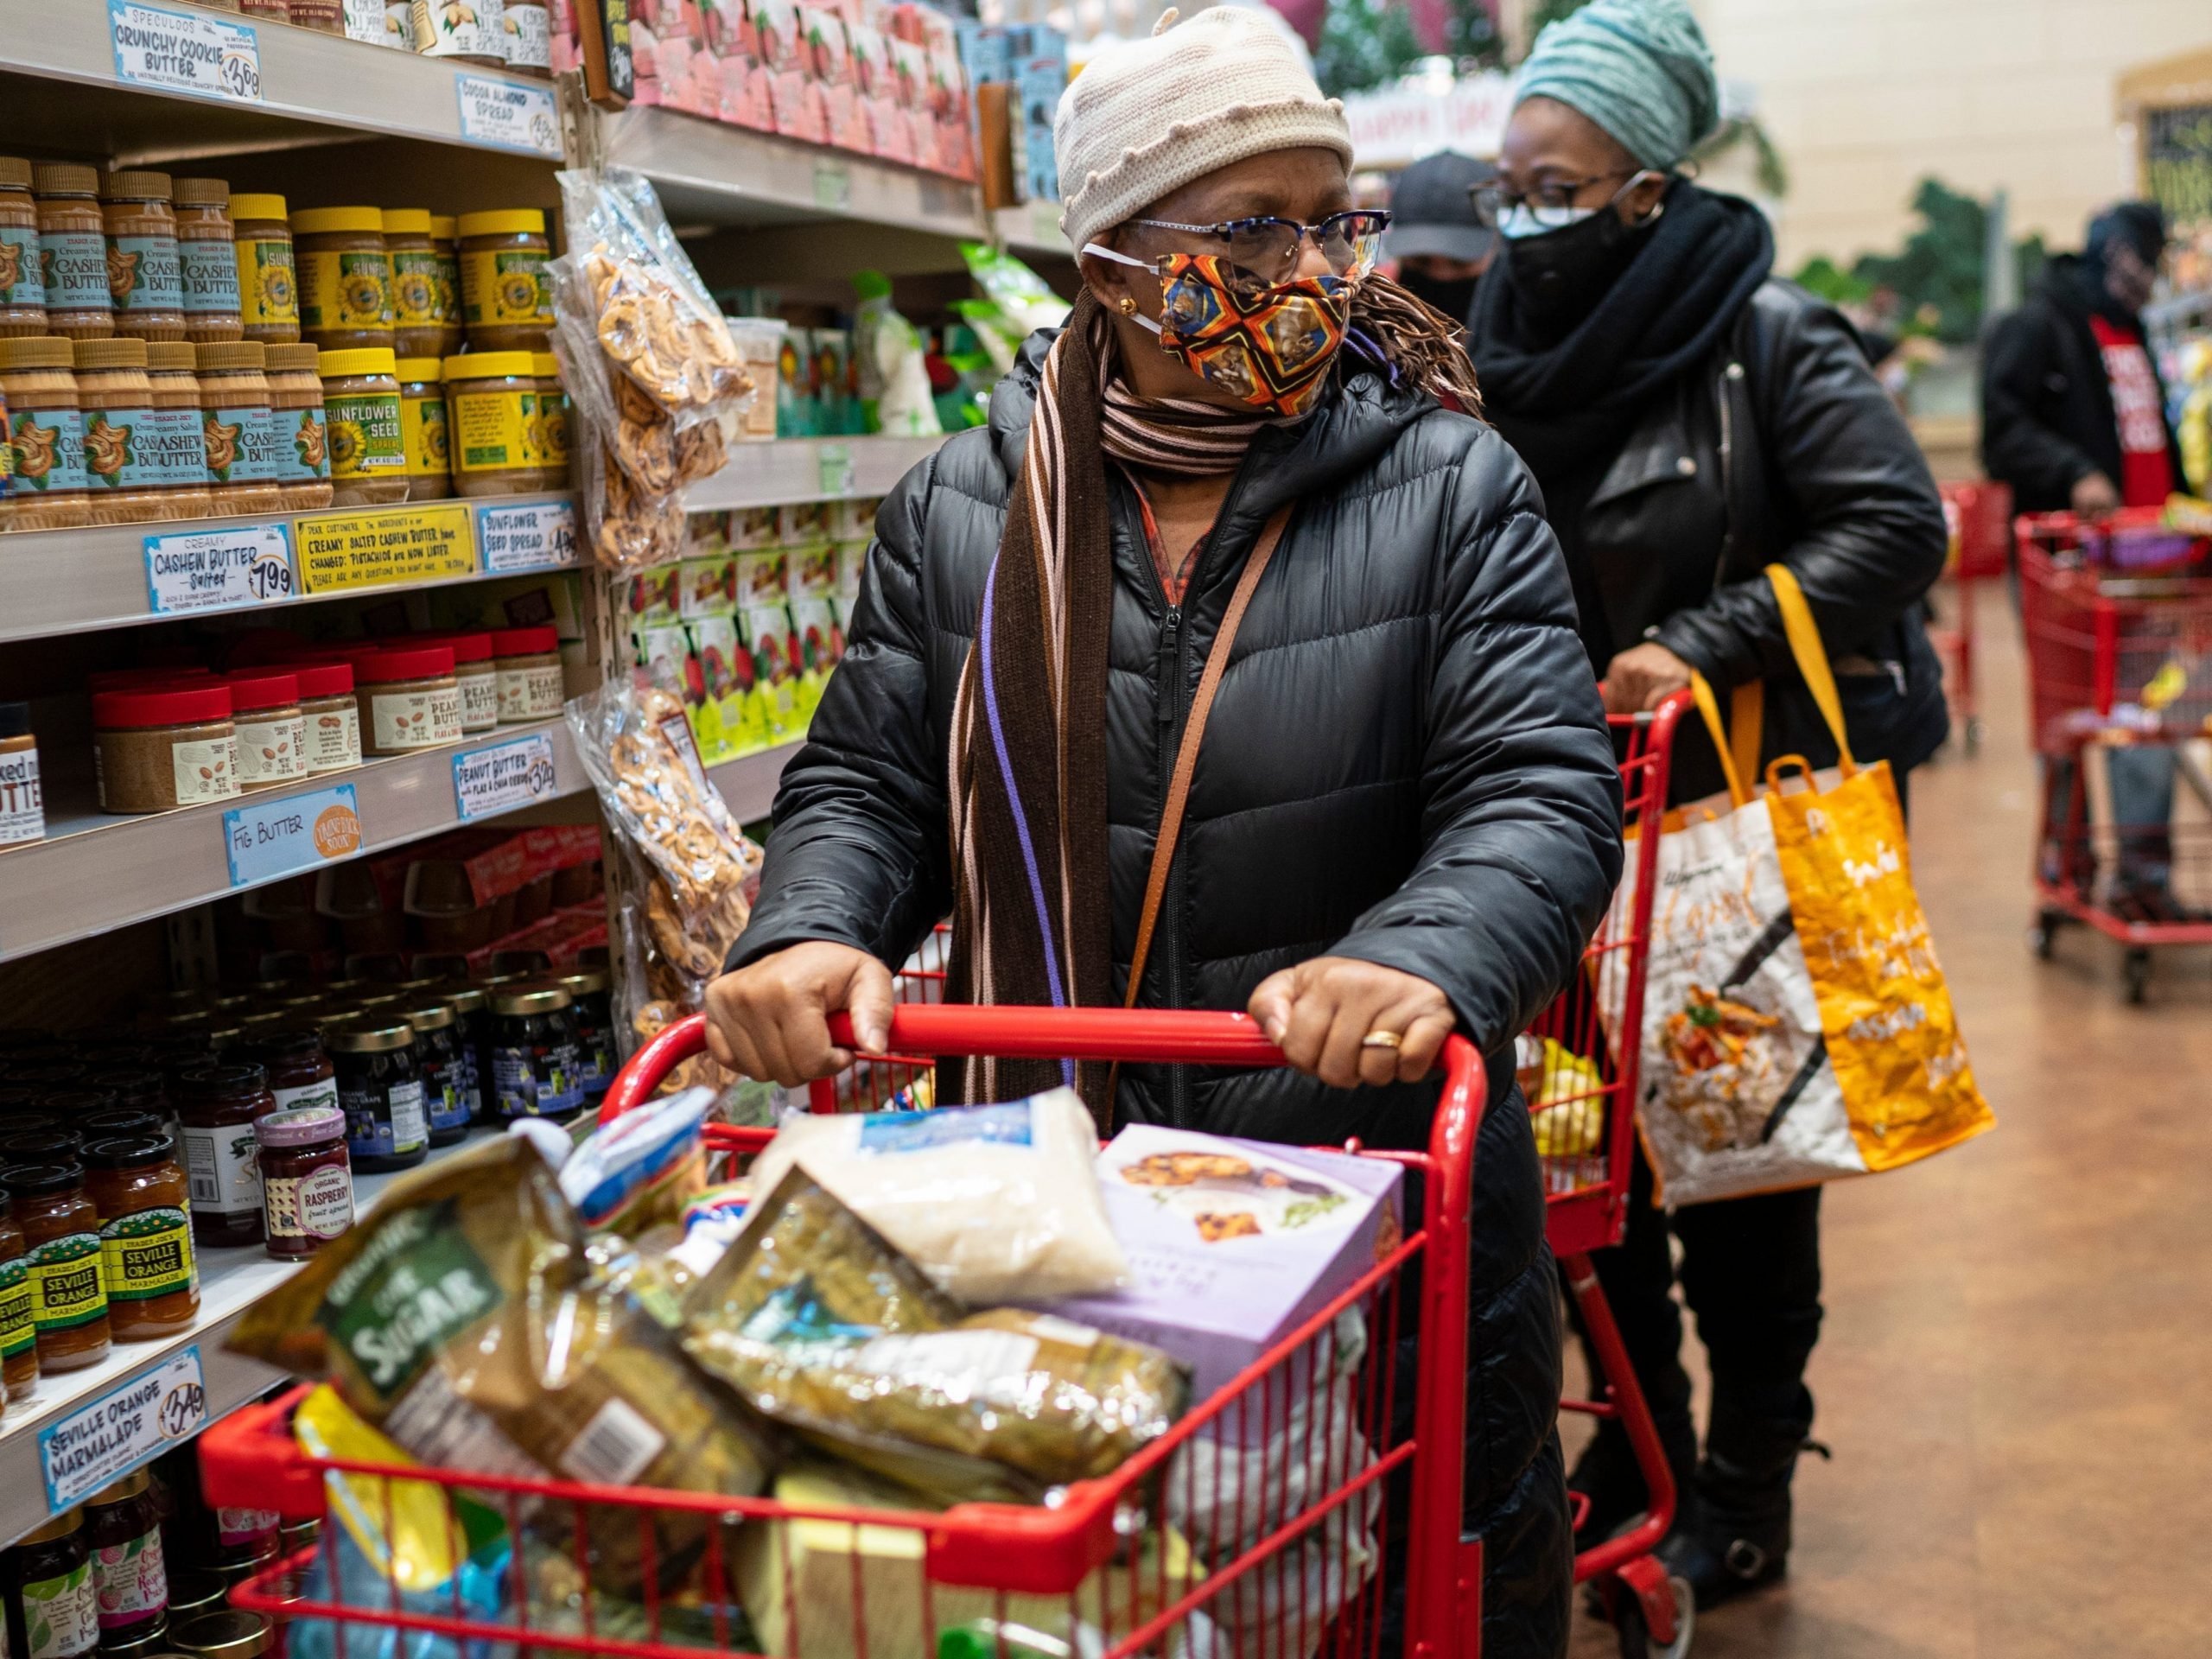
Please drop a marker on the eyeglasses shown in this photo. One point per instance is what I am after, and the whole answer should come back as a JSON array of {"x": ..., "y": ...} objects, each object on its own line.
[
  {"x": 1549, "y": 203},
  {"x": 1264, "y": 252}
]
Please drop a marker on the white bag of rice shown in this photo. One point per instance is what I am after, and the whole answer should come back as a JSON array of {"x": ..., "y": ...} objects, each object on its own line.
[{"x": 996, "y": 1203}]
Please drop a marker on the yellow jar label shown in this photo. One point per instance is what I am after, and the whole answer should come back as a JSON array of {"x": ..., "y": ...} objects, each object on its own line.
[
  {"x": 492, "y": 430},
  {"x": 17, "y": 1328},
  {"x": 364, "y": 434},
  {"x": 68, "y": 1288},
  {"x": 268, "y": 293},
  {"x": 345, "y": 291},
  {"x": 505, "y": 288},
  {"x": 147, "y": 1253},
  {"x": 415, "y": 291},
  {"x": 553, "y": 429},
  {"x": 422, "y": 431}
]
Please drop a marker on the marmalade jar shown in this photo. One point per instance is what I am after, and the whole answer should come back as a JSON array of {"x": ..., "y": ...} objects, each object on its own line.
[
  {"x": 50, "y": 1569},
  {"x": 123, "y": 1523},
  {"x": 18, "y": 1330},
  {"x": 145, "y": 1210},
  {"x": 62, "y": 1231},
  {"x": 219, "y": 1105}
]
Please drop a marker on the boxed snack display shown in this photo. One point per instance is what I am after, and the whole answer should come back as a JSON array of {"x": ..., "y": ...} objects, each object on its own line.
[
  {"x": 1233, "y": 1244},
  {"x": 830, "y": 54},
  {"x": 779, "y": 28}
]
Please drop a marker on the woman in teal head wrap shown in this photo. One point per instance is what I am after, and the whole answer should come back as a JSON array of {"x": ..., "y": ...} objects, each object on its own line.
[{"x": 1692, "y": 420}]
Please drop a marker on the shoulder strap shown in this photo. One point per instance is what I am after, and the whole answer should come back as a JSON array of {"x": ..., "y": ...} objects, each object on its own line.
[{"x": 1186, "y": 755}]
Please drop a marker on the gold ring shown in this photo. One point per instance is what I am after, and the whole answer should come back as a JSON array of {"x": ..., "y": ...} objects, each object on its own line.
[{"x": 1381, "y": 1039}]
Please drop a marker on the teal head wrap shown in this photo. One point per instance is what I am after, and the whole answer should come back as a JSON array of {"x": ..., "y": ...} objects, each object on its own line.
[{"x": 1639, "y": 69}]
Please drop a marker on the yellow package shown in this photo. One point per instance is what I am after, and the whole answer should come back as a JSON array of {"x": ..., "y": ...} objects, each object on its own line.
[{"x": 405, "y": 1528}]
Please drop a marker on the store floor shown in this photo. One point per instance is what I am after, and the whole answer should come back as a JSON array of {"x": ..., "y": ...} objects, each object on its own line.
[{"x": 2016, "y": 1371}]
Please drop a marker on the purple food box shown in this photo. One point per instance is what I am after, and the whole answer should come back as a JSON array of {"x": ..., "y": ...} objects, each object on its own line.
[{"x": 1232, "y": 1245}]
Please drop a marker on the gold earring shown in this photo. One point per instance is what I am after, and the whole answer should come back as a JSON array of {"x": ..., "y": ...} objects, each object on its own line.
[{"x": 1128, "y": 306}]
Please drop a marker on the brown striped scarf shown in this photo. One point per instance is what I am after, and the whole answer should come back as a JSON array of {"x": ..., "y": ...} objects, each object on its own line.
[{"x": 1032, "y": 922}]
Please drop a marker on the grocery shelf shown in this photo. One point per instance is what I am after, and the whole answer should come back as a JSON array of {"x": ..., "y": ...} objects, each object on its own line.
[
  {"x": 747, "y": 785},
  {"x": 69, "y": 581},
  {"x": 809, "y": 470},
  {"x": 230, "y": 1281},
  {"x": 59, "y": 76},
  {"x": 1032, "y": 230},
  {"x": 708, "y": 173},
  {"x": 95, "y": 872}
]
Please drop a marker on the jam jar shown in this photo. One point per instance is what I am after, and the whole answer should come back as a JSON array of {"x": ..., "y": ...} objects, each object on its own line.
[
  {"x": 306, "y": 1178},
  {"x": 299, "y": 1073},
  {"x": 534, "y": 1060},
  {"x": 594, "y": 1011},
  {"x": 62, "y": 1231},
  {"x": 380, "y": 1090},
  {"x": 50, "y": 1570},
  {"x": 218, "y": 1105},
  {"x": 438, "y": 1051},
  {"x": 473, "y": 1029},
  {"x": 146, "y": 1260},
  {"x": 123, "y": 1523},
  {"x": 18, "y": 1332}
]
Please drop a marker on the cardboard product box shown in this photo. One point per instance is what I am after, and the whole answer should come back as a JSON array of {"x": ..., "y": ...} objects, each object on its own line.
[
  {"x": 717, "y": 724},
  {"x": 799, "y": 522},
  {"x": 752, "y": 528},
  {"x": 709, "y": 586},
  {"x": 796, "y": 100},
  {"x": 955, "y": 113},
  {"x": 829, "y": 382},
  {"x": 653, "y": 597},
  {"x": 813, "y": 571},
  {"x": 853, "y": 520},
  {"x": 829, "y": 47},
  {"x": 891, "y": 132},
  {"x": 766, "y": 632},
  {"x": 1233, "y": 1244},
  {"x": 797, "y": 413},
  {"x": 763, "y": 578},
  {"x": 1039, "y": 81},
  {"x": 986, "y": 50},
  {"x": 910, "y": 73}
]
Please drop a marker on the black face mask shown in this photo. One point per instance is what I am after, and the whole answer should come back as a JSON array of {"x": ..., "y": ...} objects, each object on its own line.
[
  {"x": 1454, "y": 296},
  {"x": 1560, "y": 275}
]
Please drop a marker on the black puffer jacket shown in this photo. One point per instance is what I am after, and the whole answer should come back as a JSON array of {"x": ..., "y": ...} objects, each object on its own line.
[
  {"x": 1406, "y": 763},
  {"x": 1781, "y": 447}
]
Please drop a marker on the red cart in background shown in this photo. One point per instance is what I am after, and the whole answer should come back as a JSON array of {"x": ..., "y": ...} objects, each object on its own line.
[
  {"x": 1258, "y": 1527},
  {"x": 1980, "y": 517},
  {"x": 2118, "y": 618}
]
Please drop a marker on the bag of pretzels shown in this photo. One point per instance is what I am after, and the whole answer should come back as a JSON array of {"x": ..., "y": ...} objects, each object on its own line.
[
  {"x": 660, "y": 382},
  {"x": 690, "y": 871}
]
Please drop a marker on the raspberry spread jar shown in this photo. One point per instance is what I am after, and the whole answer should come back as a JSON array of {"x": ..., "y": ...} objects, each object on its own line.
[{"x": 306, "y": 1178}]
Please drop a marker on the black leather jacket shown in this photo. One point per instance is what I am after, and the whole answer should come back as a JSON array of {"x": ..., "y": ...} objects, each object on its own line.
[
  {"x": 1781, "y": 446},
  {"x": 1406, "y": 762}
]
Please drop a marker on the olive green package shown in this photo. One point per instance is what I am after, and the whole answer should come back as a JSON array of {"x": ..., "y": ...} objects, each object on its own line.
[
  {"x": 461, "y": 1316},
  {"x": 820, "y": 1324}
]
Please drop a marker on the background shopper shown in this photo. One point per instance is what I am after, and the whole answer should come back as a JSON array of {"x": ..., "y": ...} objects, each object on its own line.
[
  {"x": 1405, "y": 814},
  {"x": 1440, "y": 243},
  {"x": 1690, "y": 420}
]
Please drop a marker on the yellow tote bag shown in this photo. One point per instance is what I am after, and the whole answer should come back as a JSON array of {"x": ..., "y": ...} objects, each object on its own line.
[{"x": 1885, "y": 1009}]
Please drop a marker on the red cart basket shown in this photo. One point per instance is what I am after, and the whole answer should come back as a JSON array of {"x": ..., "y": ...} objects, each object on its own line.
[
  {"x": 1980, "y": 517},
  {"x": 2118, "y": 617},
  {"x": 1259, "y": 1525}
]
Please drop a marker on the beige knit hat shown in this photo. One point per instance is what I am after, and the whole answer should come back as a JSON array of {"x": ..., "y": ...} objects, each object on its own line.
[{"x": 1147, "y": 117}]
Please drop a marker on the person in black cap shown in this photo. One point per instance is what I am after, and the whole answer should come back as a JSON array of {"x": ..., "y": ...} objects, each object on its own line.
[{"x": 1441, "y": 246}]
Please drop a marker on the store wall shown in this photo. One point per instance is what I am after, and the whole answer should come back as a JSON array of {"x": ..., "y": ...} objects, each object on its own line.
[{"x": 1867, "y": 97}]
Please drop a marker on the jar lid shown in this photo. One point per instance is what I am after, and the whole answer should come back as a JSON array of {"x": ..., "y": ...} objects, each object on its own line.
[
  {"x": 545, "y": 366},
  {"x": 131, "y": 1151},
  {"x": 65, "y": 179},
  {"x": 15, "y": 717},
  {"x": 441, "y": 227},
  {"x": 369, "y": 1034},
  {"x": 170, "y": 356},
  {"x": 169, "y": 705},
  {"x": 132, "y": 184},
  {"x": 237, "y": 1078},
  {"x": 121, "y": 1492},
  {"x": 524, "y": 642},
  {"x": 368, "y": 359},
  {"x": 37, "y": 352},
  {"x": 466, "y": 647},
  {"x": 300, "y": 1126},
  {"x": 322, "y": 679},
  {"x": 262, "y": 689},
  {"x": 15, "y": 172},
  {"x": 203, "y": 192},
  {"x": 32, "y": 1180},
  {"x": 406, "y": 221},
  {"x": 416, "y": 662},
  {"x": 107, "y": 1121},
  {"x": 52, "y": 1074},
  {"x": 463, "y": 998},
  {"x": 128, "y": 1083},
  {"x": 60, "y": 1526},
  {"x": 325, "y": 221},
  {"x": 428, "y": 1016},
  {"x": 233, "y": 354},
  {"x": 585, "y": 982},
  {"x": 418, "y": 368},
  {"x": 296, "y": 359},
  {"x": 228, "y": 1633},
  {"x": 530, "y": 999},
  {"x": 124, "y": 352},
  {"x": 510, "y": 221},
  {"x": 489, "y": 365},
  {"x": 40, "y": 1146},
  {"x": 120, "y": 679},
  {"x": 249, "y": 204}
]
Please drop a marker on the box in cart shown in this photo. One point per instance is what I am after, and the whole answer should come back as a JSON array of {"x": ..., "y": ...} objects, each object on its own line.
[{"x": 1232, "y": 1243}]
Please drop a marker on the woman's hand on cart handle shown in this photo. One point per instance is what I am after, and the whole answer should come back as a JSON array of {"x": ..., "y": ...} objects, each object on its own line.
[
  {"x": 1642, "y": 677},
  {"x": 771, "y": 1019},
  {"x": 1350, "y": 1022}
]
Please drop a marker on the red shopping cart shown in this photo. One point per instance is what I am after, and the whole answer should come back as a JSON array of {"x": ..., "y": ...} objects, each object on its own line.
[
  {"x": 1980, "y": 517},
  {"x": 1261, "y": 1524},
  {"x": 2118, "y": 617}
]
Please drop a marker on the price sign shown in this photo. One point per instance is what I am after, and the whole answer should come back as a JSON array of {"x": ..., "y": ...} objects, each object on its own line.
[
  {"x": 834, "y": 465},
  {"x": 218, "y": 569},
  {"x": 97, "y": 1443},
  {"x": 185, "y": 52},
  {"x": 538, "y": 536},
  {"x": 509, "y": 115},
  {"x": 300, "y": 832},
  {"x": 344, "y": 550},
  {"x": 833, "y": 186},
  {"x": 501, "y": 777}
]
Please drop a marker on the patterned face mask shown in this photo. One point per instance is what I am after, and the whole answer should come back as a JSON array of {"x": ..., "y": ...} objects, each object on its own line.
[{"x": 1270, "y": 346}]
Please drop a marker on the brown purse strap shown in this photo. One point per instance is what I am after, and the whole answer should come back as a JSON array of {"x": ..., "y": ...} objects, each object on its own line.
[{"x": 1186, "y": 756}]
